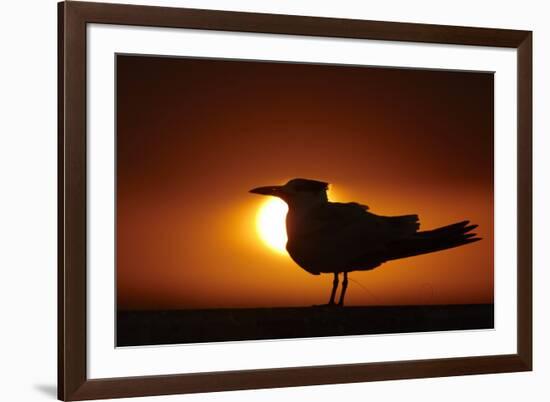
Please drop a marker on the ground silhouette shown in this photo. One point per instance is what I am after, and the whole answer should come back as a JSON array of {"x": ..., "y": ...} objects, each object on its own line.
[{"x": 239, "y": 324}]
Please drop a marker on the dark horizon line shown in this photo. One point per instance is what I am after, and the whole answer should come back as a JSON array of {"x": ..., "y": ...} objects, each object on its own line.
[{"x": 308, "y": 307}]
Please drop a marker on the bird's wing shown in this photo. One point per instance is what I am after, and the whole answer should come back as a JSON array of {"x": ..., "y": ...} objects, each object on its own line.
[
  {"x": 399, "y": 226},
  {"x": 337, "y": 235},
  {"x": 353, "y": 219}
]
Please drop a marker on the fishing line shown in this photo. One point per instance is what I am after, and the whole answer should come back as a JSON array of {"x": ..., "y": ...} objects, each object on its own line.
[{"x": 376, "y": 299}]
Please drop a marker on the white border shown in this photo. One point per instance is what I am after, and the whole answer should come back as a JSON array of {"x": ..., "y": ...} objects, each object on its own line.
[{"x": 104, "y": 360}]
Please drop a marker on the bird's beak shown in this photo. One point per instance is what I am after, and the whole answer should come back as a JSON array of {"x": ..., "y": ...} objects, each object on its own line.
[{"x": 267, "y": 190}]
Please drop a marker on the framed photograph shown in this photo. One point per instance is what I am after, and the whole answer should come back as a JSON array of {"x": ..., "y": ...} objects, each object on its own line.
[{"x": 253, "y": 201}]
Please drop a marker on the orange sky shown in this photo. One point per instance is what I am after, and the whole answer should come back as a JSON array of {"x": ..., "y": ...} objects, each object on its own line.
[{"x": 193, "y": 136}]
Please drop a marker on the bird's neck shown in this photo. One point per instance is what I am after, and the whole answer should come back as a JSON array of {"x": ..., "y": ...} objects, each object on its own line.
[{"x": 299, "y": 214}]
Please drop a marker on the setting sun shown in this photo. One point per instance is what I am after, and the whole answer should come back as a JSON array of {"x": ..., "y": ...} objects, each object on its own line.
[{"x": 270, "y": 224}]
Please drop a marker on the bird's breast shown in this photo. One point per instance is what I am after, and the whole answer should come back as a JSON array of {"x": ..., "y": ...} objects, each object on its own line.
[{"x": 310, "y": 246}]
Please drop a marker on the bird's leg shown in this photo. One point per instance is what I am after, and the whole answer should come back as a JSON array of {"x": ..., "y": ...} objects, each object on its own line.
[
  {"x": 334, "y": 286},
  {"x": 343, "y": 291}
]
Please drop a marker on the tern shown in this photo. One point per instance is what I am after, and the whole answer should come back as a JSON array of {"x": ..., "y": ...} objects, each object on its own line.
[{"x": 333, "y": 237}]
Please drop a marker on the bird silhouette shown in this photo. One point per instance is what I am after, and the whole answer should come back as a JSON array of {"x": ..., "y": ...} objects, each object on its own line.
[{"x": 334, "y": 237}]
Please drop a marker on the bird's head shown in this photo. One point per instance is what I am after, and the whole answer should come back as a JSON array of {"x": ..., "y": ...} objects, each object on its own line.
[{"x": 297, "y": 192}]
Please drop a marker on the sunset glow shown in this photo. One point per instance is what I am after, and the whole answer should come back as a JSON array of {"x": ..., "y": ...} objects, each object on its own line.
[
  {"x": 270, "y": 224},
  {"x": 191, "y": 143}
]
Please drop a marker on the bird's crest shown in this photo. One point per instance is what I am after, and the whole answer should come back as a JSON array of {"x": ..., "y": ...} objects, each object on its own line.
[{"x": 308, "y": 185}]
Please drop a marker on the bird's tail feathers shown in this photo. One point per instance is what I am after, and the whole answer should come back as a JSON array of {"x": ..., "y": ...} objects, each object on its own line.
[{"x": 429, "y": 241}]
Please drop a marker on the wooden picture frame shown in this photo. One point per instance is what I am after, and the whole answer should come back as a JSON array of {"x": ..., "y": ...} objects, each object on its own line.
[{"x": 73, "y": 382}]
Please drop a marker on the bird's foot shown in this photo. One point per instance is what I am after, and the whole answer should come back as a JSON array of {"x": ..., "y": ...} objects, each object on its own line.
[{"x": 329, "y": 305}]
